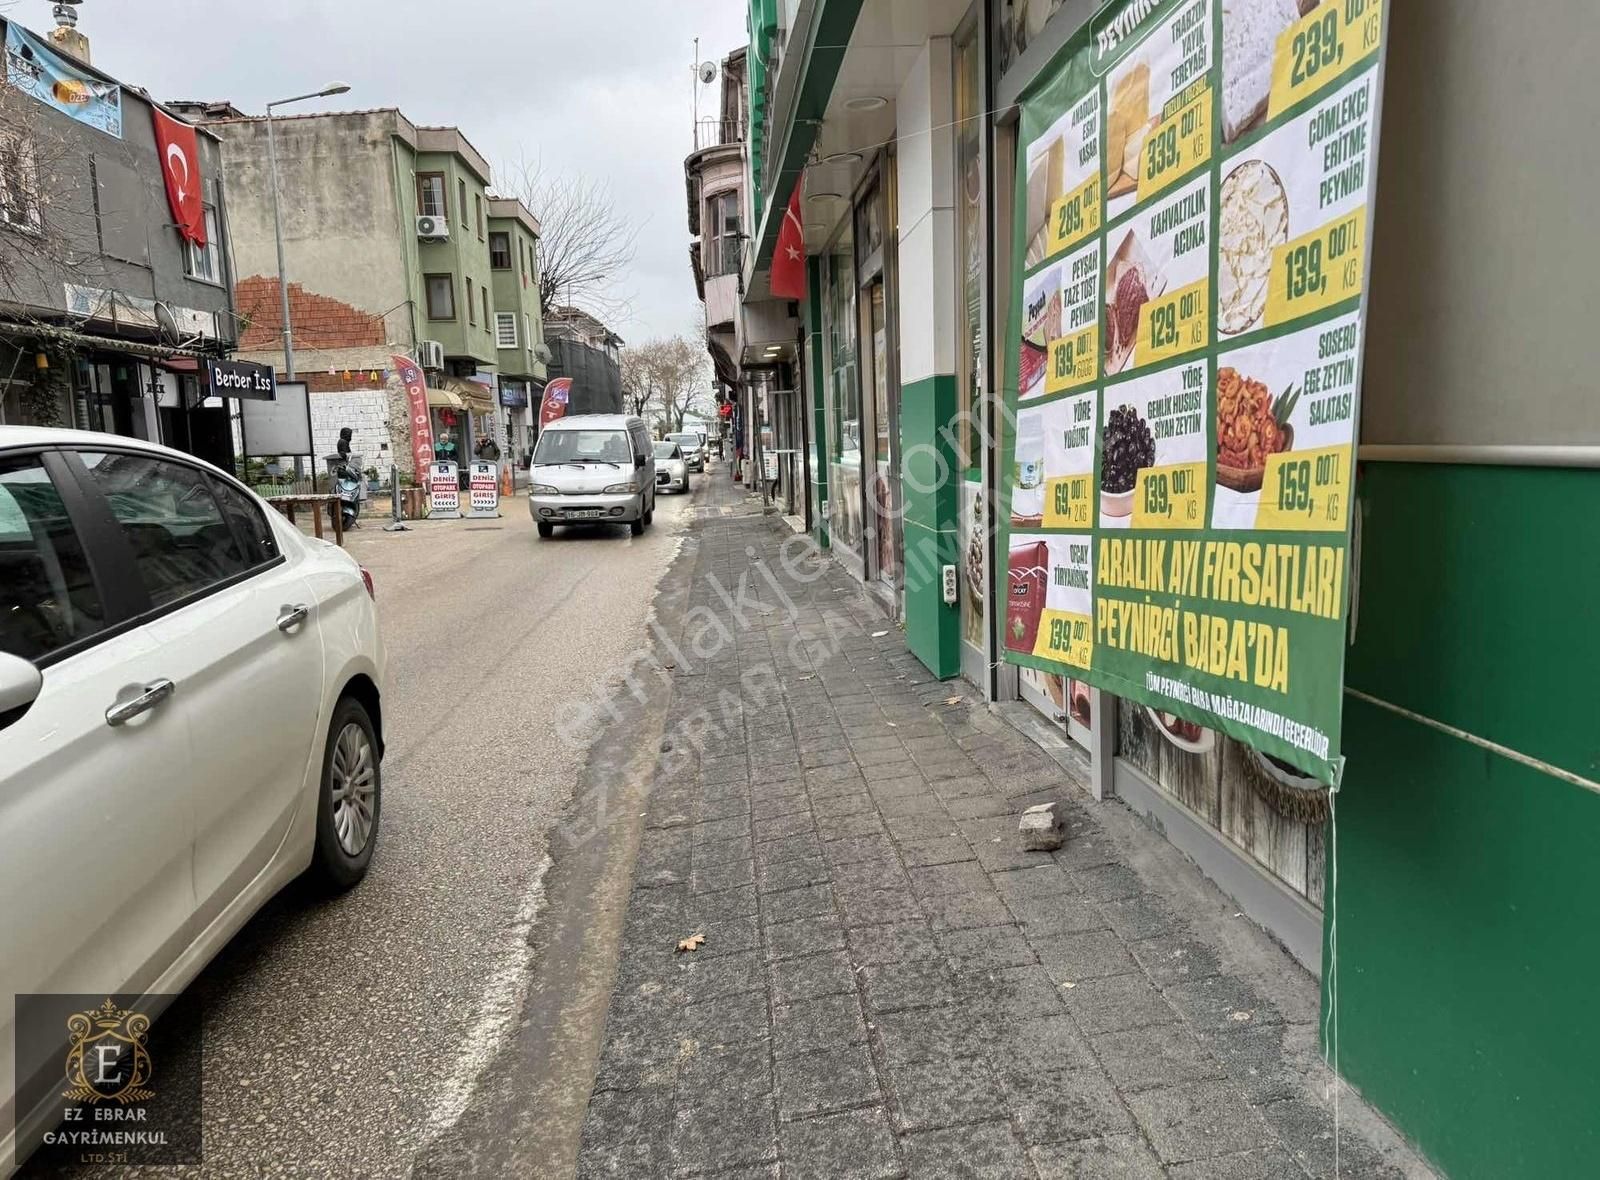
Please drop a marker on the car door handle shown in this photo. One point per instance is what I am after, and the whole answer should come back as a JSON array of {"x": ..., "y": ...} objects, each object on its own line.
[
  {"x": 292, "y": 616},
  {"x": 154, "y": 693}
]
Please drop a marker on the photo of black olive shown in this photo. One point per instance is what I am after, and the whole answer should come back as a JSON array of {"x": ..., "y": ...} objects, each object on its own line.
[{"x": 1126, "y": 446}]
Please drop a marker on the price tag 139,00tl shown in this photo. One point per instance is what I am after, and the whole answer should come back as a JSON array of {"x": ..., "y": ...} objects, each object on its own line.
[{"x": 1318, "y": 269}]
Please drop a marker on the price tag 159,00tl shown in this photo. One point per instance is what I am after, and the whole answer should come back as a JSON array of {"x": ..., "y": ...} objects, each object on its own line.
[{"x": 1306, "y": 491}]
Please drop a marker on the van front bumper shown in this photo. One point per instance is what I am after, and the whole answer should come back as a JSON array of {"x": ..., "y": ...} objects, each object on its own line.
[{"x": 620, "y": 508}]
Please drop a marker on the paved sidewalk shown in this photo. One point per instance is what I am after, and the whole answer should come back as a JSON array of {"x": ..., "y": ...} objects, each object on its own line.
[{"x": 888, "y": 986}]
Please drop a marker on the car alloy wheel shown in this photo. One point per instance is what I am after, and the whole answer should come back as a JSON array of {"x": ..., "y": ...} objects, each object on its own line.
[{"x": 352, "y": 786}]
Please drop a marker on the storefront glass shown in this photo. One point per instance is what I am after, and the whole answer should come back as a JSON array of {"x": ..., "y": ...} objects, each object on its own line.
[
  {"x": 843, "y": 400},
  {"x": 969, "y": 348}
]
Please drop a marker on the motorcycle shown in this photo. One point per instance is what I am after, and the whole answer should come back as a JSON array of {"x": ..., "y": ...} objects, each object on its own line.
[{"x": 348, "y": 485}]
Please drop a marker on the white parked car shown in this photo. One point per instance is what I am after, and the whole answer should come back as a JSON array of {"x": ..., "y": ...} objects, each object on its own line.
[
  {"x": 672, "y": 469},
  {"x": 190, "y": 718}
]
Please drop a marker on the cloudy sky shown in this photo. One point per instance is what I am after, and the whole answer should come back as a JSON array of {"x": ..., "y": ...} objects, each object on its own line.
[{"x": 596, "y": 87}]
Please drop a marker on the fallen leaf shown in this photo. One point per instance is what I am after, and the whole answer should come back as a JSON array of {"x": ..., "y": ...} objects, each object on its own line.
[
  {"x": 879, "y": 634},
  {"x": 1241, "y": 1017},
  {"x": 692, "y": 943},
  {"x": 891, "y": 725},
  {"x": 953, "y": 700}
]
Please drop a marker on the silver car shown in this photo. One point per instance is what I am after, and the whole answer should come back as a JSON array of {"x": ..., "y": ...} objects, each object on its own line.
[
  {"x": 593, "y": 469},
  {"x": 672, "y": 469},
  {"x": 693, "y": 453}
]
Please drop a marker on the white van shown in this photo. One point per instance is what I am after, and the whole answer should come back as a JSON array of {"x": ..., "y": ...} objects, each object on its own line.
[{"x": 593, "y": 469}]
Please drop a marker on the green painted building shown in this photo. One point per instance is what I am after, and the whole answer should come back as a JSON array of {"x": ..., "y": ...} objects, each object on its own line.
[{"x": 518, "y": 322}]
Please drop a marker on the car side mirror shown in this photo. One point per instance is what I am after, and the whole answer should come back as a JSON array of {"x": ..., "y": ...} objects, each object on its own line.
[
  {"x": 20, "y": 683},
  {"x": 638, "y": 460}
]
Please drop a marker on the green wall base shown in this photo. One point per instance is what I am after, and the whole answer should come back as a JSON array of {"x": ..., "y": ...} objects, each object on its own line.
[
  {"x": 930, "y": 495},
  {"x": 1467, "y": 899}
]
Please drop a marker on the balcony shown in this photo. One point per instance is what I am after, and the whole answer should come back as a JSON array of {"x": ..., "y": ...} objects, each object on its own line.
[{"x": 710, "y": 133}]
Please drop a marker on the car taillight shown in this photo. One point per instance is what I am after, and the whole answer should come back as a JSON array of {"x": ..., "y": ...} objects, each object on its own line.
[{"x": 366, "y": 576}]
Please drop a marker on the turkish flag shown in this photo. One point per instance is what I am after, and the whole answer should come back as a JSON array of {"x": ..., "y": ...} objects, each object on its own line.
[
  {"x": 180, "y": 164},
  {"x": 788, "y": 278}
]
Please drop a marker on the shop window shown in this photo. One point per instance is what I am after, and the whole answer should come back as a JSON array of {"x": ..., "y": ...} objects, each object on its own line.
[
  {"x": 500, "y": 250},
  {"x": 430, "y": 195},
  {"x": 441, "y": 294},
  {"x": 204, "y": 262}
]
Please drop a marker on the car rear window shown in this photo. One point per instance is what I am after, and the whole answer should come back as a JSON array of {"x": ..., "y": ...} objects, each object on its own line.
[
  {"x": 583, "y": 446},
  {"x": 666, "y": 450}
]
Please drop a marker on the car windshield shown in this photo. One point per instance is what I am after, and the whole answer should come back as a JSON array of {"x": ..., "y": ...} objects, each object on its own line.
[
  {"x": 685, "y": 440},
  {"x": 667, "y": 450},
  {"x": 583, "y": 446}
]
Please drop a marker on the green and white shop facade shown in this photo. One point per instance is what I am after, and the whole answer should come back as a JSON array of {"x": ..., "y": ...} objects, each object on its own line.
[{"x": 1444, "y": 894}]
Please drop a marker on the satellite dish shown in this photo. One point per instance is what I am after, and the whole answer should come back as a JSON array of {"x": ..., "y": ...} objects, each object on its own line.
[
  {"x": 167, "y": 324},
  {"x": 708, "y": 72}
]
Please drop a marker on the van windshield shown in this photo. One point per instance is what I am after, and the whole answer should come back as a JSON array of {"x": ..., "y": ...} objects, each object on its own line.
[
  {"x": 685, "y": 440},
  {"x": 583, "y": 446}
]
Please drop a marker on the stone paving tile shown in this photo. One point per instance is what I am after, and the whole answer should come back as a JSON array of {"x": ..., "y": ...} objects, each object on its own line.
[
  {"x": 805, "y": 936},
  {"x": 1159, "y": 1055},
  {"x": 986, "y": 1151},
  {"x": 892, "y": 942},
  {"x": 826, "y": 974},
  {"x": 1199, "y": 1120},
  {"x": 884, "y": 986},
  {"x": 945, "y": 1092},
  {"x": 827, "y": 1080},
  {"x": 1113, "y": 1157},
  {"x": 853, "y": 1145},
  {"x": 822, "y": 1022}
]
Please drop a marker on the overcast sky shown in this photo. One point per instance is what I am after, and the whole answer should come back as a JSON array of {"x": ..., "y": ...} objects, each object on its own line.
[{"x": 598, "y": 87}]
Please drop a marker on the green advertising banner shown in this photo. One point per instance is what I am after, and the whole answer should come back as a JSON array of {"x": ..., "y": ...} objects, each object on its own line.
[{"x": 1194, "y": 185}]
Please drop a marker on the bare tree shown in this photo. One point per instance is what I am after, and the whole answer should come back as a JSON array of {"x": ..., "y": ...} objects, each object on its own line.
[
  {"x": 585, "y": 243},
  {"x": 670, "y": 376}
]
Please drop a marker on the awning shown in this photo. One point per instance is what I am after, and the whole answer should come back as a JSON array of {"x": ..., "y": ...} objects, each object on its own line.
[
  {"x": 473, "y": 396},
  {"x": 440, "y": 399}
]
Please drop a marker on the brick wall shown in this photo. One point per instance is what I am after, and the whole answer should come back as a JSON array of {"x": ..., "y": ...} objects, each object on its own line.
[{"x": 318, "y": 321}]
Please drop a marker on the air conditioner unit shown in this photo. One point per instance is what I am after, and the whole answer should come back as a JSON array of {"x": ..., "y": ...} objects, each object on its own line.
[
  {"x": 432, "y": 227},
  {"x": 430, "y": 354}
]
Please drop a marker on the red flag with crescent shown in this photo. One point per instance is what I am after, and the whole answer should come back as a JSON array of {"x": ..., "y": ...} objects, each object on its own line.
[
  {"x": 180, "y": 166},
  {"x": 788, "y": 277}
]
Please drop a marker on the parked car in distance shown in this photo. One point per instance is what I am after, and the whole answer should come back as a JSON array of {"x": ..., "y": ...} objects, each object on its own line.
[
  {"x": 593, "y": 469},
  {"x": 672, "y": 469},
  {"x": 693, "y": 450},
  {"x": 191, "y": 716}
]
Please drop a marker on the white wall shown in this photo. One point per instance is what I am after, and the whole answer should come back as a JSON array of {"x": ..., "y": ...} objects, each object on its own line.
[
  {"x": 927, "y": 215},
  {"x": 366, "y": 412}
]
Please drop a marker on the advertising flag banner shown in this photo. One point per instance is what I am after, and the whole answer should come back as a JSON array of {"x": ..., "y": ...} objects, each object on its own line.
[
  {"x": 788, "y": 274},
  {"x": 556, "y": 396},
  {"x": 37, "y": 70},
  {"x": 1194, "y": 187},
  {"x": 180, "y": 165},
  {"x": 417, "y": 403}
]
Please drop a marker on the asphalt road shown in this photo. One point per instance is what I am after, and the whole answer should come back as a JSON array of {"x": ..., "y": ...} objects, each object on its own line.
[{"x": 342, "y": 1038}]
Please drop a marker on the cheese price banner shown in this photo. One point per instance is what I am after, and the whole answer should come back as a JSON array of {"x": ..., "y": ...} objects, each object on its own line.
[{"x": 1193, "y": 216}]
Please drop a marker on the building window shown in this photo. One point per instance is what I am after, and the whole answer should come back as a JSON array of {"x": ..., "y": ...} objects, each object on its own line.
[
  {"x": 500, "y": 251},
  {"x": 527, "y": 335},
  {"x": 430, "y": 195},
  {"x": 461, "y": 192},
  {"x": 505, "y": 329},
  {"x": 472, "y": 308},
  {"x": 477, "y": 206},
  {"x": 20, "y": 205},
  {"x": 204, "y": 262},
  {"x": 722, "y": 249},
  {"x": 441, "y": 291},
  {"x": 487, "y": 322}
]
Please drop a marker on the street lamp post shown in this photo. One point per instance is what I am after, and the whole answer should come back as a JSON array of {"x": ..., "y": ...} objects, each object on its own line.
[{"x": 277, "y": 217}]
